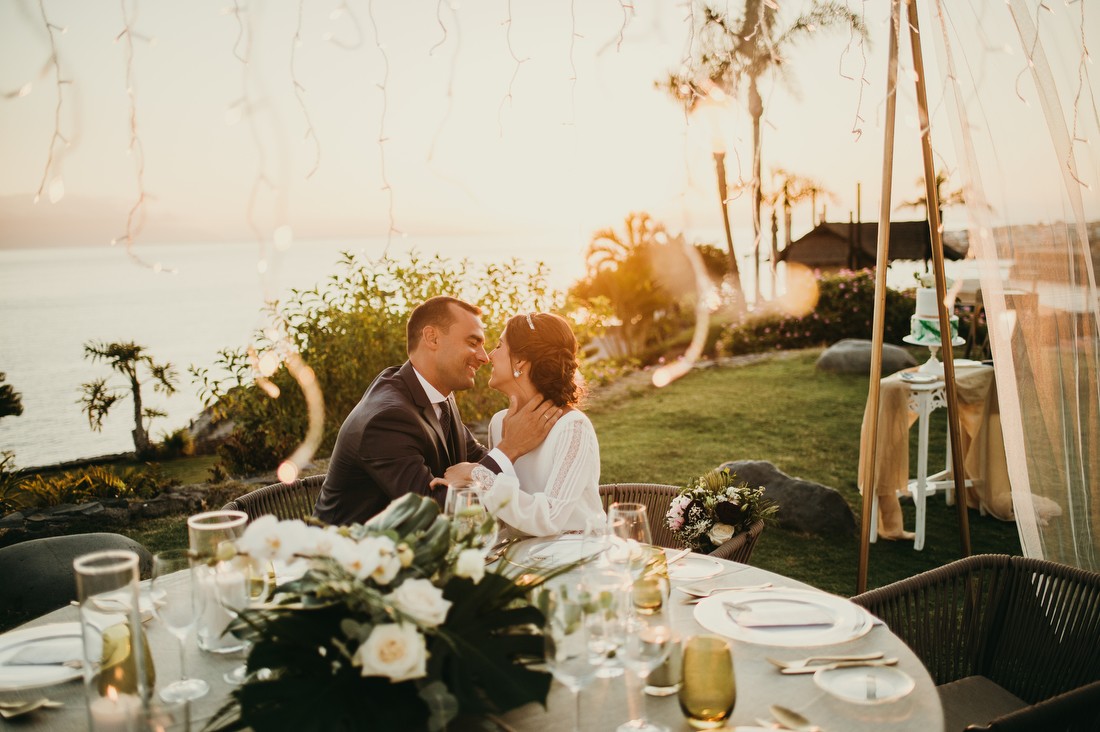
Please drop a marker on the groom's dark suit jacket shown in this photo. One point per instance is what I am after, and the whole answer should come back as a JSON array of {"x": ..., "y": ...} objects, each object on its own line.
[{"x": 392, "y": 444}]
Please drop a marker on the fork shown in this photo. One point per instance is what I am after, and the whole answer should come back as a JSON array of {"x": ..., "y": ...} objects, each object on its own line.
[
  {"x": 804, "y": 662},
  {"x": 10, "y": 710}
]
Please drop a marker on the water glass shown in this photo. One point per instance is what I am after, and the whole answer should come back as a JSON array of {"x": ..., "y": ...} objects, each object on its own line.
[
  {"x": 709, "y": 689},
  {"x": 646, "y": 647},
  {"x": 651, "y": 589},
  {"x": 666, "y": 679},
  {"x": 208, "y": 534},
  {"x": 609, "y": 613},
  {"x": 118, "y": 668},
  {"x": 178, "y": 604},
  {"x": 573, "y": 654}
]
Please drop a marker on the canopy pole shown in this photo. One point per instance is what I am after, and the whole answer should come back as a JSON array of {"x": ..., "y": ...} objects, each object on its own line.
[
  {"x": 882, "y": 261},
  {"x": 941, "y": 284}
]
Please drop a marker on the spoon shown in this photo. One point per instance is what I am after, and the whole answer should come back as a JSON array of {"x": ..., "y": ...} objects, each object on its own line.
[
  {"x": 804, "y": 662},
  {"x": 792, "y": 720},
  {"x": 707, "y": 593}
]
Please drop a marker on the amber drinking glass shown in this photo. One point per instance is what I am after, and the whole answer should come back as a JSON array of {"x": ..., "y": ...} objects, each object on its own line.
[{"x": 709, "y": 688}]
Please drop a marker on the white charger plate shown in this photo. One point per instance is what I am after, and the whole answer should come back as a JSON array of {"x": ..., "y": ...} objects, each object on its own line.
[
  {"x": 849, "y": 621},
  {"x": 865, "y": 684},
  {"x": 693, "y": 566},
  {"x": 562, "y": 550},
  {"x": 24, "y": 676}
]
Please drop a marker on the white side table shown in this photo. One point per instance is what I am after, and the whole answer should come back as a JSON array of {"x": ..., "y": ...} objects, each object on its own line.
[{"x": 924, "y": 398}]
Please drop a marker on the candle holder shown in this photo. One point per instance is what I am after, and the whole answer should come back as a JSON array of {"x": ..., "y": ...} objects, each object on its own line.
[
  {"x": 118, "y": 668},
  {"x": 209, "y": 533}
]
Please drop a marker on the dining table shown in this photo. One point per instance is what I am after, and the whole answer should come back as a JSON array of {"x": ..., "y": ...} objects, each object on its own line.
[{"x": 604, "y": 702}]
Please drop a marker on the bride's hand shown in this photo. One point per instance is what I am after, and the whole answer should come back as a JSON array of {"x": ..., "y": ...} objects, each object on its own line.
[
  {"x": 458, "y": 474},
  {"x": 525, "y": 427}
]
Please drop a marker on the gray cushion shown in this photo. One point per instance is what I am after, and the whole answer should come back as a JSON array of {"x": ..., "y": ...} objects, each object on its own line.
[
  {"x": 975, "y": 700},
  {"x": 38, "y": 574}
]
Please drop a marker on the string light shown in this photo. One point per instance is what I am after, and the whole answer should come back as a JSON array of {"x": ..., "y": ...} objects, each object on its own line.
[
  {"x": 56, "y": 185},
  {"x": 572, "y": 64},
  {"x": 299, "y": 94},
  {"x": 853, "y": 37},
  {"x": 628, "y": 10},
  {"x": 341, "y": 10},
  {"x": 519, "y": 62},
  {"x": 1082, "y": 73},
  {"x": 382, "y": 127},
  {"x": 450, "y": 77}
]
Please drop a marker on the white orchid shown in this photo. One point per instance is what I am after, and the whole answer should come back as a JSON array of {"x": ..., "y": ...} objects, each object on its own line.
[
  {"x": 269, "y": 539},
  {"x": 394, "y": 650}
]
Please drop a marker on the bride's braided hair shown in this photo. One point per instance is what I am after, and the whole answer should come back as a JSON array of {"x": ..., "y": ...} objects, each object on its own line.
[{"x": 547, "y": 343}]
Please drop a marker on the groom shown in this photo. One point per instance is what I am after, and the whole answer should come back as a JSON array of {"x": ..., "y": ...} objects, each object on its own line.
[{"x": 406, "y": 430}]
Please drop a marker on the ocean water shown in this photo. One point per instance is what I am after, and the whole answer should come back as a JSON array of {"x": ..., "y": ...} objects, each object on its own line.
[{"x": 52, "y": 301}]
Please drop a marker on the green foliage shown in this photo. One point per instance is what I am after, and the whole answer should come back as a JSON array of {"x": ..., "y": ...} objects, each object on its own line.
[
  {"x": 10, "y": 483},
  {"x": 642, "y": 279},
  {"x": 348, "y": 329},
  {"x": 128, "y": 359},
  {"x": 11, "y": 401},
  {"x": 177, "y": 443},
  {"x": 845, "y": 309},
  {"x": 87, "y": 484}
]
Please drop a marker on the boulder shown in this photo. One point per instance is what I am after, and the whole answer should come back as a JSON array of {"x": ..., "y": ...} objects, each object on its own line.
[
  {"x": 853, "y": 356},
  {"x": 806, "y": 507},
  {"x": 38, "y": 574}
]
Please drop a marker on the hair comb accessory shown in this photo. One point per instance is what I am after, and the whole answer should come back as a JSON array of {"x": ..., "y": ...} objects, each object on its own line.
[{"x": 530, "y": 322}]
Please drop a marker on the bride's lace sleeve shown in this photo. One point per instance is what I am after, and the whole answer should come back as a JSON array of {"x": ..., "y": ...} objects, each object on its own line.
[{"x": 544, "y": 511}]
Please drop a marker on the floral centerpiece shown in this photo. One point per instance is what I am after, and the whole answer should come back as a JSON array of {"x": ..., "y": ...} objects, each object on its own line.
[
  {"x": 395, "y": 625},
  {"x": 713, "y": 507}
]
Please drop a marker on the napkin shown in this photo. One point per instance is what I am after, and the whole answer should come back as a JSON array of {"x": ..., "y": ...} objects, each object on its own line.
[
  {"x": 47, "y": 651},
  {"x": 779, "y": 617}
]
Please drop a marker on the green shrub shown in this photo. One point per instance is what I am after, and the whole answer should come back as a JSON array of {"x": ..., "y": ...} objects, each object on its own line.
[
  {"x": 81, "y": 486},
  {"x": 347, "y": 330},
  {"x": 845, "y": 309},
  {"x": 176, "y": 444}
]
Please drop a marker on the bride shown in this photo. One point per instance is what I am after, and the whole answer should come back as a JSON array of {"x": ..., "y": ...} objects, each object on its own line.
[{"x": 555, "y": 487}]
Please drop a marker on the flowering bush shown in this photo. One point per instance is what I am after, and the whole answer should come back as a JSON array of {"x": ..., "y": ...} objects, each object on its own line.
[
  {"x": 712, "y": 508},
  {"x": 395, "y": 625}
]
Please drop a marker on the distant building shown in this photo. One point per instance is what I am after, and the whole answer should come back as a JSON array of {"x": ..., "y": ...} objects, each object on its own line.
[{"x": 833, "y": 246}]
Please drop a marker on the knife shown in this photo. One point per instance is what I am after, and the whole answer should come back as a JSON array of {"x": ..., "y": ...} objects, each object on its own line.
[{"x": 838, "y": 664}]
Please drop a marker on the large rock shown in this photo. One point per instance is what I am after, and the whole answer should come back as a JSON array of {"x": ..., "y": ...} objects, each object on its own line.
[
  {"x": 853, "y": 356},
  {"x": 806, "y": 507},
  {"x": 38, "y": 574}
]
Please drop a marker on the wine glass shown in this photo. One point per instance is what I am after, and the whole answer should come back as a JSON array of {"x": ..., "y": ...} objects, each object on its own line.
[
  {"x": 646, "y": 647},
  {"x": 239, "y": 584},
  {"x": 472, "y": 519},
  {"x": 608, "y": 614},
  {"x": 178, "y": 603},
  {"x": 630, "y": 534},
  {"x": 571, "y": 653}
]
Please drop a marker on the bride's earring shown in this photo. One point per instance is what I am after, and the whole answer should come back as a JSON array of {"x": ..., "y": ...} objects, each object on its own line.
[{"x": 516, "y": 373}]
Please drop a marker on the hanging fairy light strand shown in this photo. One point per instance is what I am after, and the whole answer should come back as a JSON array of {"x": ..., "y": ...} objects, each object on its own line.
[
  {"x": 299, "y": 94},
  {"x": 856, "y": 39},
  {"x": 382, "y": 86},
  {"x": 1082, "y": 76},
  {"x": 339, "y": 12},
  {"x": 519, "y": 63},
  {"x": 573, "y": 36},
  {"x": 450, "y": 77},
  {"x": 627, "y": 9},
  {"x": 135, "y": 217},
  {"x": 57, "y": 184}
]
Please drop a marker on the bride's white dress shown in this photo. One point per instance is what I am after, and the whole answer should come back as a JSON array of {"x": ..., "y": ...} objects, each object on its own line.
[{"x": 556, "y": 486}]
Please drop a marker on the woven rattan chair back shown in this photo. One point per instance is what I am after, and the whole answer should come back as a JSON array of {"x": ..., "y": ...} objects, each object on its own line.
[
  {"x": 1029, "y": 625},
  {"x": 656, "y": 497},
  {"x": 282, "y": 500}
]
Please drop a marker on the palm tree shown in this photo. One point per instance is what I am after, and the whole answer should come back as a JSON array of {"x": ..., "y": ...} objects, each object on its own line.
[
  {"x": 954, "y": 198},
  {"x": 125, "y": 358},
  {"x": 733, "y": 52}
]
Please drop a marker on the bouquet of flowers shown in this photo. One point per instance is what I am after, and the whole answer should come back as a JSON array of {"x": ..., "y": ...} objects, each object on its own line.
[
  {"x": 712, "y": 508},
  {"x": 395, "y": 625}
]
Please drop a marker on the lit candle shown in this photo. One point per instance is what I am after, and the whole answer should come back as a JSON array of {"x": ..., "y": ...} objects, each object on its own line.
[
  {"x": 223, "y": 588},
  {"x": 115, "y": 712}
]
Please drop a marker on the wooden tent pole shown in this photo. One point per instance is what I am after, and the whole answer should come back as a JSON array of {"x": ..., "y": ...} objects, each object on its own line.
[
  {"x": 941, "y": 283},
  {"x": 882, "y": 261}
]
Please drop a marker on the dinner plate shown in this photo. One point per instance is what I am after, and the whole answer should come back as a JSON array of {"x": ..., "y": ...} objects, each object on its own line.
[
  {"x": 25, "y": 676},
  {"x": 916, "y": 378},
  {"x": 865, "y": 684},
  {"x": 693, "y": 566},
  {"x": 559, "y": 551},
  {"x": 836, "y": 620}
]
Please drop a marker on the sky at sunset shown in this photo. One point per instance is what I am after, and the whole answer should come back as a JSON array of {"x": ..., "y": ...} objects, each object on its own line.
[{"x": 474, "y": 141}]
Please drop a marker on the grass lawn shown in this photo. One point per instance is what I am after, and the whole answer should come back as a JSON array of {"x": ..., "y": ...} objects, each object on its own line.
[{"x": 806, "y": 423}]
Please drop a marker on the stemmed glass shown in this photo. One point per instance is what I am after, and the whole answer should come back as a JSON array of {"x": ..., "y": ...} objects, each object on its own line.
[
  {"x": 178, "y": 603},
  {"x": 646, "y": 647},
  {"x": 471, "y": 518},
  {"x": 630, "y": 535},
  {"x": 239, "y": 584},
  {"x": 573, "y": 654}
]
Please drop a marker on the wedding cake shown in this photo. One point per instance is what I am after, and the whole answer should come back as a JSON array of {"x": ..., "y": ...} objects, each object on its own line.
[{"x": 924, "y": 325}]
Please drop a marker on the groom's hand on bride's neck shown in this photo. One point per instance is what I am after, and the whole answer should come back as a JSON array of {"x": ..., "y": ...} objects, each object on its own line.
[{"x": 525, "y": 427}]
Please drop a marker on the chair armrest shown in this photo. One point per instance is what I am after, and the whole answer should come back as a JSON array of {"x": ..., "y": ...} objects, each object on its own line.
[
  {"x": 740, "y": 546},
  {"x": 1077, "y": 710}
]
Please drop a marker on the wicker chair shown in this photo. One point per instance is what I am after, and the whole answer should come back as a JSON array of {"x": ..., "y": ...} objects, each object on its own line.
[
  {"x": 1012, "y": 642},
  {"x": 283, "y": 500},
  {"x": 656, "y": 498}
]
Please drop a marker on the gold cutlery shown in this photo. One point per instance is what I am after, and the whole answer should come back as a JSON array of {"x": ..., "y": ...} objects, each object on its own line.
[
  {"x": 802, "y": 663},
  {"x": 838, "y": 664},
  {"x": 701, "y": 594},
  {"x": 792, "y": 720},
  {"x": 677, "y": 557}
]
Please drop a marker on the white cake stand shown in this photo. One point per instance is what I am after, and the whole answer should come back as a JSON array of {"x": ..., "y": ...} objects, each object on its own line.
[{"x": 932, "y": 365}]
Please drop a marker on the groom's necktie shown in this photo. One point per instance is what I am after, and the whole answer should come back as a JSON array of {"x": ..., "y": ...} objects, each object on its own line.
[{"x": 446, "y": 423}]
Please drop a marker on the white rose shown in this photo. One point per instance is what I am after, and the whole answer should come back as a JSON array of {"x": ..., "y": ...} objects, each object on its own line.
[
  {"x": 269, "y": 539},
  {"x": 471, "y": 563},
  {"x": 720, "y": 533},
  {"x": 422, "y": 601},
  {"x": 397, "y": 651}
]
